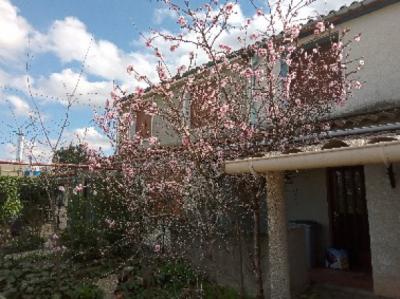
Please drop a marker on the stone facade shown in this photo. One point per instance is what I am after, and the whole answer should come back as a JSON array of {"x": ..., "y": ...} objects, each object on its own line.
[{"x": 383, "y": 203}]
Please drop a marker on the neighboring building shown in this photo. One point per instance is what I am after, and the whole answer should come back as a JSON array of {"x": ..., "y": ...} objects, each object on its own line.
[
  {"x": 8, "y": 169},
  {"x": 349, "y": 186}
]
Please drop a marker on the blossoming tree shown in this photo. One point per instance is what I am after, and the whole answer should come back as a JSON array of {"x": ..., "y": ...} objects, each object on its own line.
[{"x": 270, "y": 89}]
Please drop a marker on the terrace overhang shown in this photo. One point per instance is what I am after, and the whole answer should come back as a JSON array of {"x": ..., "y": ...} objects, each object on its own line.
[
  {"x": 272, "y": 167},
  {"x": 384, "y": 152}
]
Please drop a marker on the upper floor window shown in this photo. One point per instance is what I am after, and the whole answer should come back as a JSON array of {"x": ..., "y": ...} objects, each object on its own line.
[
  {"x": 143, "y": 124},
  {"x": 315, "y": 71},
  {"x": 198, "y": 108},
  {"x": 200, "y": 114}
]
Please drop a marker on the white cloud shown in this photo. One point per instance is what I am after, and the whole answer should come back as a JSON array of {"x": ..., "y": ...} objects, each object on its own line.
[
  {"x": 9, "y": 151},
  {"x": 14, "y": 30},
  {"x": 38, "y": 152},
  {"x": 63, "y": 84},
  {"x": 160, "y": 14},
  {"x": 18, "y": 105},
  {"x": 41, "y": 152},
  {"x": 16, "y": 34},
  {"x": 70, "y": 41},
  {"x": 93, "y": 138}
]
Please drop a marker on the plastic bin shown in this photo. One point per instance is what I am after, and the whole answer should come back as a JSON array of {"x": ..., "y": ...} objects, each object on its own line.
[{"x": 311, "y": 236}]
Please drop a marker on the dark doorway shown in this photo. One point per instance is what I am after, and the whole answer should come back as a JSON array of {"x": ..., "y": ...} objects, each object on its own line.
[{"x": 349, "y": 215}]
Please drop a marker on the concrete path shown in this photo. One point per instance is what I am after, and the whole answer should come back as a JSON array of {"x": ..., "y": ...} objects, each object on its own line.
[{"x": 334, "y": 292}]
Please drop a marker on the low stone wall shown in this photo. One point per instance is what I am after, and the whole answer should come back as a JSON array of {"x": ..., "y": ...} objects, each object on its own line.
[{"x": 222, "y": 263}]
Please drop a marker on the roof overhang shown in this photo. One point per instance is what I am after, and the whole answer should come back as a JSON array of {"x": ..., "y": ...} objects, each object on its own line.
[{"x": 385, "y": 153}]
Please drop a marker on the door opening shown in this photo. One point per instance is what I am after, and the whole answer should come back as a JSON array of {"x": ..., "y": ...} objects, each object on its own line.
[{"x": 349, "y": 215}]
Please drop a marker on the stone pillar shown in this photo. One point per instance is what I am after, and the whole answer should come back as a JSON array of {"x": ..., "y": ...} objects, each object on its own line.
[{"x": 278, "y": 266}]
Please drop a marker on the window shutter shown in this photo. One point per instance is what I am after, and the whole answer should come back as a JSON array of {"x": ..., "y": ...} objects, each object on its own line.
[
  {"x": 143, "y": 124},
  {"x": 284, "y": 69}
]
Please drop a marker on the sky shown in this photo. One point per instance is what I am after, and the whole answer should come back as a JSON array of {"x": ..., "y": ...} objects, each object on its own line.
[{"x": 47, "y": 46}]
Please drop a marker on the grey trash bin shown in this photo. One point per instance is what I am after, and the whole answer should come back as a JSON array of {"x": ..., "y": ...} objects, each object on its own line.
[{"x": 311, "y": 236}]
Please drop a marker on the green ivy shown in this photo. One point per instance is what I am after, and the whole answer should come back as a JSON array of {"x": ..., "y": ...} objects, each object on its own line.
[
  {"x": 10, "y": 202},
  {"x": 34, "y": 277}
]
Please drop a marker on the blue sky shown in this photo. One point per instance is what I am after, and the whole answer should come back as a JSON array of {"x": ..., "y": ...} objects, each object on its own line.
[
  {"x": 57, "y": 34},
  {"x": 117, "y": 22}
]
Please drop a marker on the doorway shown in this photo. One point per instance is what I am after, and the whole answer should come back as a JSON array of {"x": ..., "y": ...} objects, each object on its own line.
[{"x": 349, "y": 215}]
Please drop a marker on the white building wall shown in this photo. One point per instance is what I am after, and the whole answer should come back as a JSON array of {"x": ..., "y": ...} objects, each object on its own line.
[
  {"x": 306, "y": 197},
  {"x": 379, "y": 45}
]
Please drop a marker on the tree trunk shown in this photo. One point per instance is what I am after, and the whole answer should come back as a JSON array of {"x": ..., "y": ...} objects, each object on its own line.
[
  {"x": 239, "y": 240},
  {"x": 257, "y": 239}
]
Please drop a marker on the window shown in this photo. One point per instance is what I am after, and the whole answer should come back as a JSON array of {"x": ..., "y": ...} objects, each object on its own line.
[
  {"x": 198, "y": 115},
  {"x": 284, "y": 69},
  {"x": 314, "y": 72},
  {"x": 143, "y": 124},
  {"x": 201, "y": 112}
]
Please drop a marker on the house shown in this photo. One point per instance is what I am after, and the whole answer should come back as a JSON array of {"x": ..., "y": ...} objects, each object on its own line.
[
  {"x": 9, "y": 169},
  {"x": 347, "y": 186},
  {"x": 349, "y": 190}
]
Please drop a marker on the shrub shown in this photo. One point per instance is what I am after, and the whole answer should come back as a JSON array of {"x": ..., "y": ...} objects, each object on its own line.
[{"x": 42, "y": 277}]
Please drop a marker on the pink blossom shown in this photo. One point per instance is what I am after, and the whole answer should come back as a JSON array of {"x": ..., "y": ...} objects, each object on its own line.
[
  {"x": 173, "y": 48},
  {"x": 61, "y": 188},
  {"x": 153, "y": 140},
  {"x": 357, "y": 84},
  {"x": 129, "y": 69},
  {"x": 357, "y": 38},
  {"x": 248, "y": 73},
  {"x": 253, "y": 36},
  {"x": 114, "y": 95},
  {"x": 262, "y": 52},
  {"x": 157, "y": 248},
  {"x": 259, "y": 12},
  {"x": 182, "y": 69},
  {"x": 185, "y": 140},
  {"x": 229, "y": 124},
  {"x": 320, "y": 26},
  {"x": 139, "y": 91},
  {"x": 182, "y": 21},
  {"x": 226, "y": 48},
  {"x": 295, "y": 31},
  {"x": 158, "y": 53},
  {"x": 77, "y": 189},
  {"x": 229, "y": 7}
]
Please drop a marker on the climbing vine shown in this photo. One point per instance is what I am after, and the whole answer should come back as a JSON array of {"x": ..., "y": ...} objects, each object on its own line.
[{"x": 10, "y": 202}]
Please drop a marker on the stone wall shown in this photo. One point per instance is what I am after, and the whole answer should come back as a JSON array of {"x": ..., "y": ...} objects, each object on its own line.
[
  {"x": 384, "y": 223},
  {"x": 222, "y": 263}
]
